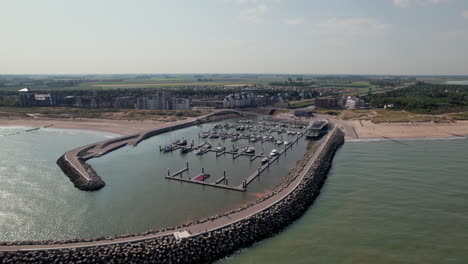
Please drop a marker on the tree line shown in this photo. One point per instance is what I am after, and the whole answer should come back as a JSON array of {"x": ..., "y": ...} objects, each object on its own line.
[{"x": 424, "y": 98}]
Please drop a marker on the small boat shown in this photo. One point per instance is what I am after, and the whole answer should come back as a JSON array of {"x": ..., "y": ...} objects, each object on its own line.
[
  {"x": 274, "y": 153},
  {"x": 264, "y": 160},
  {"x": 234, "y": 149},
  {"x": 250, "y": 150},
  {"x": 206, "y": 145},
  {"x": 286, "y": 143},
  {"x": 199, "y": 151},
  {"x": 279, "y": 142},
  {"x": 253, "y": 139},
  {"x": 182, "y": 142},
  {"x": 185, "y": 149},
  {"x": 219, "y": 149},
  {"x": 168, "y": 148},
  {"x": 202, "y": 177},
  {"x": 214, "y": 136}
]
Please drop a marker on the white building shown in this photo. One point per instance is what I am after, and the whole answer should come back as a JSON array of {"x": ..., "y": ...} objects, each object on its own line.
[
  {"x": 156, "y": 101},
  {"x": 160, "y": 101},
  {"x": 178, "y": 104},
  {"x": 239, "y": 100},
  {"x": 354, "y": 102}
]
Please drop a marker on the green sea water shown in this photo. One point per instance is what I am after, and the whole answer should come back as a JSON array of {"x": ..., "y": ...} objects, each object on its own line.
[
  {"x": 38, "y": 202},
  {"x": 383, "y": 202}
]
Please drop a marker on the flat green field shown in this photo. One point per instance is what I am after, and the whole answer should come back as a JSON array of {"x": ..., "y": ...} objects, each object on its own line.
[
  {"x": 302, "y": 103},
  {"x": 158, "y": 82}
]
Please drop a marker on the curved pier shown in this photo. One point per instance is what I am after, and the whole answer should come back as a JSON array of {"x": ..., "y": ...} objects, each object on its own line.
[
  {"x": 201, "y": 241},
  {"x": 73, "y": 163}
]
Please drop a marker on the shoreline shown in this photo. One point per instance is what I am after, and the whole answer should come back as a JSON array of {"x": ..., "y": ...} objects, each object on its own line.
[
  {"x": 107, "y": 134},
  {"x": 365, "y": 129},
  {"x": 354, "y": 129},
  {"x": 354, "y": 140},
  {"x": 424, "y": 130},
  {"x": 118, "y": 127}
]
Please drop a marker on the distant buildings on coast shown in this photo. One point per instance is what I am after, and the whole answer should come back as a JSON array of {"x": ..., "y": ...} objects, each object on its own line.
[
  {"x": 29, "y": 98},
  {"x": 160, "y": 101},
  {"x": 246, "y": 100},
  {"x": 249, "y": 97},
  {"x": 157, "y": 101},
  {"x": 348, "y": 102}
]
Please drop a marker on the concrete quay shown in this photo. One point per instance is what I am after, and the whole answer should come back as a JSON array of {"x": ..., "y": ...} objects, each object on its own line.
[{"x": 201, "y": 241}]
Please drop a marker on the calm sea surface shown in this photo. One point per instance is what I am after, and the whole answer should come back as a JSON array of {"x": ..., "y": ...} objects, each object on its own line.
[
  {"x": 383, "y": 202},
  {"x": 38, "y": 202}
]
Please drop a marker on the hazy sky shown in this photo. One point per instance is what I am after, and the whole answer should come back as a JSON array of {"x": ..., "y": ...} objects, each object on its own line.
[{"x": 234, "y": 36}]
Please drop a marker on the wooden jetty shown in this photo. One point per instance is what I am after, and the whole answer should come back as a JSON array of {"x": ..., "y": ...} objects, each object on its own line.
[
  {"x": 252, "y": 158},
  {"x": 218, "y": 181},
  {"x": 177, "y": 172},
  {"x": 223, "y": 186},
  {"x": 260, "y": 169},
  {"x": 243, "y": 186}
]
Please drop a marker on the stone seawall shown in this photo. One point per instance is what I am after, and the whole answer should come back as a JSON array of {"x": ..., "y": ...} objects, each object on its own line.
[
  {"x": 95, "y": 183},
  {"x": 208, "y": 246}
]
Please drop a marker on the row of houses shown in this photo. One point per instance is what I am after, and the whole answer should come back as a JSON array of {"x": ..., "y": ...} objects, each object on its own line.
[
  {"x": 239, "y": 100},
  {"x": 250, "y": 99},
  {"x": 348, "y": 102},
  {"x": 29, "y": 98},
  {"x": 160, "y": 101}
]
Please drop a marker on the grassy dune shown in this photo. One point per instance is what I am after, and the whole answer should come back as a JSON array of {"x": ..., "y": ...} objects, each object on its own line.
[
  {"x": 394, "y": 116},
  {"x": 114, "y": 114}
]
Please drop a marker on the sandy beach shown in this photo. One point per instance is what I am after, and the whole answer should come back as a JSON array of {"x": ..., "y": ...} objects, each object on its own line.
[
  {"x": 363, "y": 129},
  {"x": 367, "y": 129},
  {"x": 122, "y": 127}
]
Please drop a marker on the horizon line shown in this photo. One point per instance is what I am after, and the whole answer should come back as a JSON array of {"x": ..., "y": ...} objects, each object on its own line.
[{"x": 207, "y": 73}]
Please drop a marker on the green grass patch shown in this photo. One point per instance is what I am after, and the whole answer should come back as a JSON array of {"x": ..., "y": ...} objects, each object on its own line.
[{"x": 302, "y": 103}]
